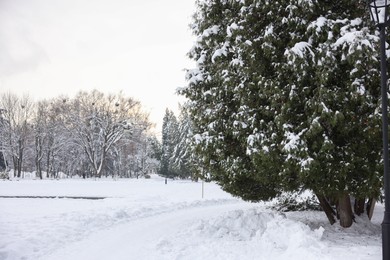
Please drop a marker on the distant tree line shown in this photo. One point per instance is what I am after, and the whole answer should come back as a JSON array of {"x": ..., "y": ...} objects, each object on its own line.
[{"x": 90, "y": 135}]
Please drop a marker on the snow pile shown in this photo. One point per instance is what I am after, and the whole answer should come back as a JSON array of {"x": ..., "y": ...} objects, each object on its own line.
[{"x": 249, "y": 234}]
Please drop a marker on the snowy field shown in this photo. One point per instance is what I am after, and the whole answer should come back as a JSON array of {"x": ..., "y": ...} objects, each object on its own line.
[{"x": 146, "y": 219}]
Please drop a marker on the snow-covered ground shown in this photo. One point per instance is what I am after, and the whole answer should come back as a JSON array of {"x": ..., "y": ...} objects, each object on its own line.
[{"x": 146, "y": 219}]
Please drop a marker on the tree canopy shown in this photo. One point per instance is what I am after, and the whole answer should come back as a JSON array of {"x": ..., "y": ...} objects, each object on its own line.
[{"x": 285, "y": 96}]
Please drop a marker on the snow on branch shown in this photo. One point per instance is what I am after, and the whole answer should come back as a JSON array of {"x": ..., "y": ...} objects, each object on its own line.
[
  {"x": 292, "y": 140},
  {"x": 194, "y": 76},
  {"x": 219, "y": 52},
  {"x": 300, "y": 49},
  {"x": 210, "y": 31},
  {"x": 355, "y": 40}
]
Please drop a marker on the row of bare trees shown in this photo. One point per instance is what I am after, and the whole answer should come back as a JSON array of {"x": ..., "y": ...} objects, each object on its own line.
[{"x": 90, "y": 135}]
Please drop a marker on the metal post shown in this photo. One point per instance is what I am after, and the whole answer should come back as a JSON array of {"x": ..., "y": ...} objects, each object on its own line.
[
  {"x": 202, "y": 189},
  {"x": 386, "y": 219}
]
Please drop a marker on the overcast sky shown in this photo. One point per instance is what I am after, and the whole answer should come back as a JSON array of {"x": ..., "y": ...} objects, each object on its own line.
[{"x": 53, "y": 47}]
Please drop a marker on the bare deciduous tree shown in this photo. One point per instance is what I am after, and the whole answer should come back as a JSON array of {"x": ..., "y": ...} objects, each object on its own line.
[{"x": 16, "y": 127}]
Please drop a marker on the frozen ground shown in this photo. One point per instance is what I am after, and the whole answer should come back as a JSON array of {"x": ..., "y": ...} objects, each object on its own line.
[{"x": 146, "y": 219}]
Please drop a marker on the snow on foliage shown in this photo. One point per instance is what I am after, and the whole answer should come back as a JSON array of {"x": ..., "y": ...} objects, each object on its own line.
[
  {"x": 292, "y": 141},
  {"x": 210, "y": 31},
  {"x": 194, "y": 76},
  {"x": 300, "y": 49},
  {"x": 308, "y": 65},
  {"x": 219, "y": 52}
]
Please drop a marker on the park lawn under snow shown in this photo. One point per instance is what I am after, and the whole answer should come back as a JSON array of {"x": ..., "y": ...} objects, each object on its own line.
[{"x": 146, "y": 219}]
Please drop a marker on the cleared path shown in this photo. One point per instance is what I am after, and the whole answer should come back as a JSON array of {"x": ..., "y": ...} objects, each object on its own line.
[{"x": 141, "y": 238}]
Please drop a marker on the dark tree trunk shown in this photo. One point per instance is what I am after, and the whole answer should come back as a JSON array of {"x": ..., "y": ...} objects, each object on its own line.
[
  {"x": 15, "y": 163},
  {"x": 38, "y": 156},
  {"x": 370, "y": 208},
  {"x": 48, "y": 164},
  {"x": 359, "y": 206},
  {"x": 20, "y": 159},
  {"x": 3, "y": 163},
  {"x": 344, "y": 209},
  {"x": 38, "y": 166},
  {"x": 327, "y": 208},
  {"x": 39, "y": 170},
  {"x": 19, "y": 168}
]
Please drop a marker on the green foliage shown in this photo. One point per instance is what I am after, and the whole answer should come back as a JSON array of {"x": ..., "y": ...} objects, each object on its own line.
[
  {"x": 295, "y": 202},
  {"x": 4, "y": 175},
  {"x": 169, "y": 133},
  {"x": 285, "y": 96},
  {"x": 156, "y": 148},
  {"x": 182, "y": 160}
]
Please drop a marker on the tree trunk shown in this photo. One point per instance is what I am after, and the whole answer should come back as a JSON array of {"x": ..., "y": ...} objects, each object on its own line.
[
  {"x": 370, "y": 208},
  {"x": 359, "y": 206},
  {"x": 38, "y": 165},
  {"x": 38, "y": 156},
  {"x": 345, "y": 210},
  {"x": 330, "y": 213},
  {"x": 15, "y": 163},
  {"x": 39, "y": 170},
  {"x": 20, "y": 157},
  {"x": 3, "y": 162},
  {"x": 19, "y": 168}
]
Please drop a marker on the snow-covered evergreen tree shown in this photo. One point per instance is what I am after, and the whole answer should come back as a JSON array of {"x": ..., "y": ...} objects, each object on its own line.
[
  {"x": 285, "y": 96},
  {"x": 182, "y": 156},
  {"x": 169, "y": 140}
]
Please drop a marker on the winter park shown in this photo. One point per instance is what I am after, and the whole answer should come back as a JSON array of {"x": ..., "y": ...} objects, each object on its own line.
[{"x": 194, "y": 130}]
